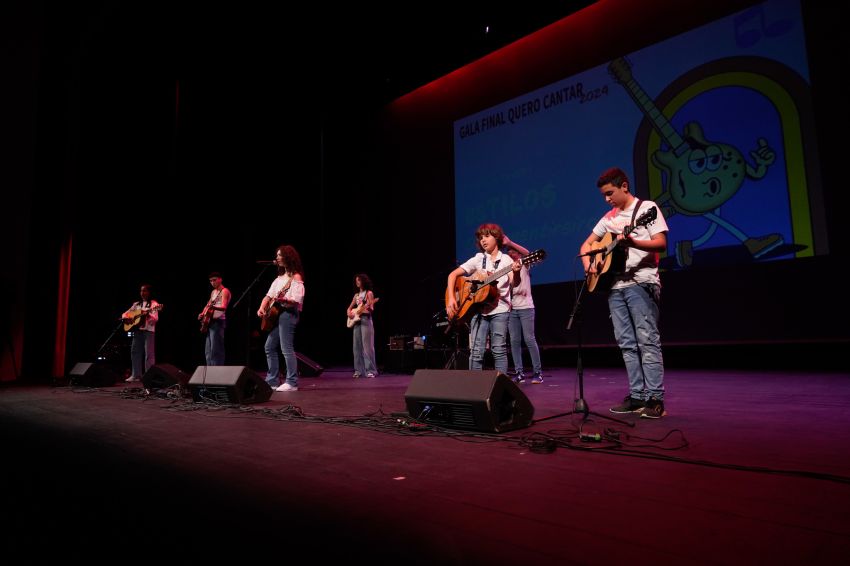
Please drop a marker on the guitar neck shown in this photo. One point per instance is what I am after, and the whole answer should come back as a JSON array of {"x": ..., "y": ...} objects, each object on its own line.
[
  {"x": 496, "y": 274},
  {"x": 659, "y": 121}
]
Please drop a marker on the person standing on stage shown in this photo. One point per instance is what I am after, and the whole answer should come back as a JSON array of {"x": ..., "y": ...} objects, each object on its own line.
[
  {"x": 144, "y": 313},
  {"x": 521, "y": 321},
  {"x": 214, "y": 319},
  {"x": 284, "y": 298},
  {"x": 364, "y": 331},
  {"x": 635, "y": 295},
  {"x": 491, "y": 321}
]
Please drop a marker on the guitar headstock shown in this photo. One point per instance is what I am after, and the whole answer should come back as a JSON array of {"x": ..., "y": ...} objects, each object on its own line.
[
  {"x": 644, "y": 219},
  {"x": 534, "y": 257},
  {"x": 620, "y": 70},
  {"x": 647, "y": 217}
]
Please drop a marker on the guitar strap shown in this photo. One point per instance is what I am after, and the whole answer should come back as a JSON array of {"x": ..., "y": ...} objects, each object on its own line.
[
  {"x": 634, "y": 214},
  {"x": 284, "y": 290},
  {"x": 484, "y": 263}
]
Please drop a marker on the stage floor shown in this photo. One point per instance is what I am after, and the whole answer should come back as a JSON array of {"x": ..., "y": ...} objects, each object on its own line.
[{"x": 327, "y": 473}]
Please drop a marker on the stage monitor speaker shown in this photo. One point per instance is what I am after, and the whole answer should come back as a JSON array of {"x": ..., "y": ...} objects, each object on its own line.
[
  {"x": 307, "y": 367},
  {"x": 87, "y": 374},
  {"x": 162, "y": 376},
  {"x": 486, "y": 401},
  {"x": 228, "y": 384}
]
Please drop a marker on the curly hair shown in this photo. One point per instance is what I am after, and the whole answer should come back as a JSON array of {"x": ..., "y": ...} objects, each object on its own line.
[
  {"x": 291, "y": 260},
  {"x": 364, "y": 281}
]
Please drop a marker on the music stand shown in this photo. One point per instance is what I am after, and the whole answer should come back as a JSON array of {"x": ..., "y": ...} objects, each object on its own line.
[{"x": 580, "y": 405}]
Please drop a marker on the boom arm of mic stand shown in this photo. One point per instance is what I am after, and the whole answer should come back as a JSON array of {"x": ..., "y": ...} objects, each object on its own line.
[{"x": 251, "y": 286}]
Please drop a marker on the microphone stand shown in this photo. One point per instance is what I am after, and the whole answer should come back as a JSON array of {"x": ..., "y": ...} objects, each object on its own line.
[
  {"x": 580, "y": 406},
  {"x": 108, "y": 339},
  {"x": 451, "y": 363},
  {"x": 248, "y": 317},
  {"x": 251, "y": 286}
]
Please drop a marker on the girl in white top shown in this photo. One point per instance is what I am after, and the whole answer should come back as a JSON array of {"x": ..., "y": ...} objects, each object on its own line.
[
  {"x": 521, "y": 323},
  {"x": 364, "y": 331},
  {"x": 286, "y": 291}
]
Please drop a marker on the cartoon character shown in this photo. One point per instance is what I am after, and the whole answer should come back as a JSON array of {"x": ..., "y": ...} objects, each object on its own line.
[{"x": 701, "y": 174}]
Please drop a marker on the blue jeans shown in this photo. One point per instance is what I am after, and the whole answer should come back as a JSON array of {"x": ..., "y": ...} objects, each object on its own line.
[
  {"x": 634, "y": 314},
  {"x": 364, "y": 346},
  {"x": 214, "y": 348},
  {"x": 496, "y": 327},
  {"x": 142, "y": 352},
  {"x": 282, "y": 340},
  {"x": 521, "y": 327}
]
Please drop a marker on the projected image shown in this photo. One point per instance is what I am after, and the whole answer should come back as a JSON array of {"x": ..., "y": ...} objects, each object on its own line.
[{"x": 714, "y": 125}]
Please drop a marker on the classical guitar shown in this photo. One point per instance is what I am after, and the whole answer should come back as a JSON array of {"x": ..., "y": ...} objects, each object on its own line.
[
  {"x": 208, "y": 312},
  {"x": 350, "y": 322},
  {"x": 479, "y": 292},
  {"x": 269, "y": 321},
  {"x": 608, "y": 244},
  {"x": 134, "y": 318}
]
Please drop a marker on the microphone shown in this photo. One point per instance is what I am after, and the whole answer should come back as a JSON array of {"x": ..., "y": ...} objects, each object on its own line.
[
  {"x": 267, "y": 262},
  {"x": 593, "y": 252}
]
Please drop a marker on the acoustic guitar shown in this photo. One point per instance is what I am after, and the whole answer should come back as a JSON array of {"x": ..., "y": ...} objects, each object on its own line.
[
  {"x": 603, "y": 258},
  {"x": 350, "y": 322},
  {"x": 134, "y": 318},
  {"x": 207, "y": 314},
  {"x": 269, "y": 321},
  {"x": 479, "y": 292}
]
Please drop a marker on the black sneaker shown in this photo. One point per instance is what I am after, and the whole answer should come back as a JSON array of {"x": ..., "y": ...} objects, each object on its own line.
[
  {"x": 518, "y": 378},
  {"x": 653, "y": 409},
  {"x": 629, "y": 405},
  {"x": 538, "y": 378}
]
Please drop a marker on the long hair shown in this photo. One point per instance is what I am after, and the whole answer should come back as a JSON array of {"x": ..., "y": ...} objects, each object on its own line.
[
  {"x": 489, "y": 230},
  {"x": 291, "y": 260},
  {"x": 364, "y": 281}
]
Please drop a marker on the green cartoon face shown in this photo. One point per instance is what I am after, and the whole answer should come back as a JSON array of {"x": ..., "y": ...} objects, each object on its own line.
[{"x": 703, "y": 177}]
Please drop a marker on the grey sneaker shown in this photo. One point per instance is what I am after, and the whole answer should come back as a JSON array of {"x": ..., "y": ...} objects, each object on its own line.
[{"x": 629, "y": 405}]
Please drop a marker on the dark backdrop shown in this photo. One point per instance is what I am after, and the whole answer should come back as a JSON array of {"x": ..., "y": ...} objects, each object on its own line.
[{"x": 165, "y": 149}]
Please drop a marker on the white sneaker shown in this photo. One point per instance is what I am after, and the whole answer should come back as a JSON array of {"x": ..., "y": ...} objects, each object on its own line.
[
  {"x": 287, "y": 387},
  {"x": 132, "y": 378},
  {"x": 370, "y": 375}
]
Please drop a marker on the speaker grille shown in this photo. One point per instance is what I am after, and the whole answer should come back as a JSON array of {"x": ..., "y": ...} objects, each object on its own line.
[{"x": 459, "y": 415}]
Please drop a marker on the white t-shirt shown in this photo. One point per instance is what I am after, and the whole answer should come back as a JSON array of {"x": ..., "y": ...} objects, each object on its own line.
[
  {"x": 503, "y": 283},
  {"x": 521, "y": 294},
  {"x": 641, "y": 266}
]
